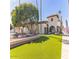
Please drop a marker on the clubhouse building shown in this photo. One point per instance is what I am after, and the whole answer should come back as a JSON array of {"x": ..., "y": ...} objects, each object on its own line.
[{"x": 52, "y": 25}]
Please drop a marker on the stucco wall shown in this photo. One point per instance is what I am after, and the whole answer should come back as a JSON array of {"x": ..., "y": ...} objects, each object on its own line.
[
  {"x": 42, "y": 26},
  {"x": 54, "y": 23}
]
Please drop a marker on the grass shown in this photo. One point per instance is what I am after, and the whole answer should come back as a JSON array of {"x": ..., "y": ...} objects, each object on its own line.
[{"x": 46, "y": 47}]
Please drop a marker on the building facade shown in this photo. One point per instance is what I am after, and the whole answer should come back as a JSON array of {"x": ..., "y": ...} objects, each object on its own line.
[{"x": 52, "y": 25}]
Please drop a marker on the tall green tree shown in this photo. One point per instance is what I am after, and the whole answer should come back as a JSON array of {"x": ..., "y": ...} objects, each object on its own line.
[{"x": 25, "y": 12}]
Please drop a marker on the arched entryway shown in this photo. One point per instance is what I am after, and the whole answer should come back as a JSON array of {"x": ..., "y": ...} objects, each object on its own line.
[
  {"x": 58, "y": 29},
  {"x": 52, "y": 29}
]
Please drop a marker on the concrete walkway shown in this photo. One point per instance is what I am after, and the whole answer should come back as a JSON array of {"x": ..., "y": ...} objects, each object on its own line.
[{"x": 65, "y": 47}]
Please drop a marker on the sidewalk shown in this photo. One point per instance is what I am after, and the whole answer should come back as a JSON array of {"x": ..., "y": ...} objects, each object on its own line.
[{"x": 65, "y": 47}]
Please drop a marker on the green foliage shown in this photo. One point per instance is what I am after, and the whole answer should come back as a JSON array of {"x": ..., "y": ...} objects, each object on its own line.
[
  {"x": 24, "y": 12},
  {"x": 46, "y": 47}
]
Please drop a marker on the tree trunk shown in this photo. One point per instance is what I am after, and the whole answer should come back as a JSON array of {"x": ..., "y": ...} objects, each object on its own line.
[
  {"x": 31, "y": 30},
  {"x": 36, "y": 28}
]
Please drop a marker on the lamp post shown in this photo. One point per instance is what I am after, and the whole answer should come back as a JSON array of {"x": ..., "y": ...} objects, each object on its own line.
[
  {"x": 41, "y": 15},
  {"x": 19, "y": 8},
  {"x": 37, "y": 3},
  {"x": 60, "y": 21},
  {"x": 67, "y": 28}
]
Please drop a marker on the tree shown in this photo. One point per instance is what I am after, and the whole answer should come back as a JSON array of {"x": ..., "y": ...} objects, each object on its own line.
[{"x": 25, "y": 12}]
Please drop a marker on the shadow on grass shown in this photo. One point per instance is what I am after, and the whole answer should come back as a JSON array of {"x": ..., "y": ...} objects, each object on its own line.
[
  {"x": 40, "y": 39},
  {"x": 37, "y": 40}
]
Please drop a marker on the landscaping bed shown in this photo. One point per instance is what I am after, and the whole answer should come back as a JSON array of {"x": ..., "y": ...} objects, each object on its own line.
[
  {"x": 20, "y": 41},
  {"x": 45, "y": 47}
]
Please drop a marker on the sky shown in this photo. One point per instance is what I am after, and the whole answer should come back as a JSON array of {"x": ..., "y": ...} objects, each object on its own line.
[{"x": 49, "y": 7}]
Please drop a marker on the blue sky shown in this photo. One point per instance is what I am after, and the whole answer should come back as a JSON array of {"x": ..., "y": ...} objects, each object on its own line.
[{"x": 49, "y": 7}]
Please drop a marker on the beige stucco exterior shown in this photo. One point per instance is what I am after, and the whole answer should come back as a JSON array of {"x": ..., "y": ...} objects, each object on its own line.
[
  {"x": 54, "y": 23},
  {"x": 40, "y": 27}
]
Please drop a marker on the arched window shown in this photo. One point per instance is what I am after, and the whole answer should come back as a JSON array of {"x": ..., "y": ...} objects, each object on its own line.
[{"x": 51, "y": 19}]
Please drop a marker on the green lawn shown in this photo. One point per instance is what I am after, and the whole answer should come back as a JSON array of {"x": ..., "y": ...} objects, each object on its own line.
[{"x": 46, "y": 47}]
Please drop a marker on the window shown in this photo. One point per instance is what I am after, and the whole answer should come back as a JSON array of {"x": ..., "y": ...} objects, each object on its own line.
[{"x": 51, "y": 19}]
